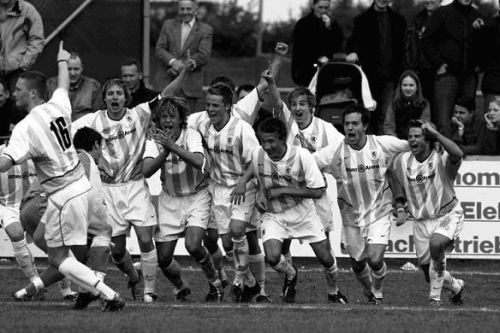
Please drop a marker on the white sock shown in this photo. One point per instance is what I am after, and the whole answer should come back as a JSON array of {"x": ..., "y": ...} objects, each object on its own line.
[
  {"x": 284, "y": 267},
  {"x": 378, "y": 279},
  {"x": 240, "y": 253},
  {"x": 85, "y": 278},
  {"x": 25, "y": 259},
  {"x": 149, "y": 263},
  {"x": 450, "y": 283},
  {"x": 332, "y": 276},
  {"x": 436, "y": 276}
]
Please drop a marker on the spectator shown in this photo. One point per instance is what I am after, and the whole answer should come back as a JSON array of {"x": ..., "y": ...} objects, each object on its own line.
[
  {"x": 408, "y": 104},
  {"x": 316, "y": 37},
  {"x": 84, "y": 92},
  {"x": 377, "y": 43},
  {"x": 470, "y": 131},
  {"x": 489, "y": 35},
  {"x": 415, "y": 58},
  {"x": 5, "y": 111},
  {"x": 132, "y": 76},
  {"x": 185, "y": 41},
  {"x": 21, "y": 37},
  {"x": 448, "y": 43}
]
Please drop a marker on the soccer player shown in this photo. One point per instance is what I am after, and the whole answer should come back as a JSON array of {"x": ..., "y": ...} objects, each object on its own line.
[
  {"x": 128, "y": 199},
  {"x": 229, "y": 141},
  {"x": 96, "y": 252},
  {"x": 427, "y": 175},
  {"x": 44, "y": 137},
  {"x": 359, "y": 166},
  {"x": 288, "y": 179},
  {"x": 311, "y": 133},
  {"x": 13, "y": 185},
  {"x": 184, "y": 203}
]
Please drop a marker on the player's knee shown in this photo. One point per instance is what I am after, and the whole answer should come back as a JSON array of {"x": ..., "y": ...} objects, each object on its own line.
[
  {"x": 193, "y": 247},
  {"x": 118, "y": 253},
  {"x": 376, "y": 262},
  {"x": 437, "y": 248},
  {"x": 145, "y": 242},
  {"x": 358, "y": 266},
  {"x": 164, "y": 260},
  {"x": 272, "y": 259}
]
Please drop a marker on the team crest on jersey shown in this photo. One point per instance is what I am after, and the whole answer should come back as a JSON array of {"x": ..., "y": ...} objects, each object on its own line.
[
  {"x": 374, "y": 154},
  {"x": 175, "y": 159},
  {"x": 431, "y": 166},
  {"x": 419, "y": 179},
  {"x": 288, "y": 171},
  {"x": 313, "y": 139},
  {"x": 129, "y": 118},
  {"x": 229, "y": 141}
]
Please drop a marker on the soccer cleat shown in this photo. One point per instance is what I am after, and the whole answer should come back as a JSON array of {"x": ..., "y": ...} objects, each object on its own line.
[
  {"x": 215, "y": 294},
  {"x": 435, "y": 303},
  {"x": 236, "y": 292},
  {"x": 22, "y": 296},
  {"x": 458, "y": 299},
  {"x": 114, "y": 305},
  {"x": 70, "y": 296},
  {"x": 337, "y": 298},
  {"x": 83, "y": 300},
  {"x": 223, "y": 278},
  {"x": 289, "y": 290},
  {"x": 372, "y": 300},
  {"x": 149, "y": 297},
  {"x": 249, "y": 292},
  {"x": 263, "y": 299},
  {"x": 182, "y": 293},
  {"x": 136, "y": 288}
]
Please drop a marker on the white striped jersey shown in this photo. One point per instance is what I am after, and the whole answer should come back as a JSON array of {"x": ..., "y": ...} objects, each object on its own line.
[
  {"x": 15, "y": 183},
  {"x": 179, "y": 178},
  {"x": 123, "y": 142},
  {"x": 229, "y": 150},
  {"x": 317, "y": 135},
  {"x": 429, "y": 186},
  {"x": 97, "y": 199},
  {"x": 296, "y": 169},
  {"x": 363, "y": 191},
  {"x": 44, "y": 136}
]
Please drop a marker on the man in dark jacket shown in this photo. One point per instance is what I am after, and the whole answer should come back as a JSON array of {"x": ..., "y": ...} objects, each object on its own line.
[
  {"x": 316, "y": 37},
  {"x": 377, "y": 43},
  {"x": 448, "y": 43},
  {"x": 415, "y": 58},
  {"x": 131, "y": 71}
]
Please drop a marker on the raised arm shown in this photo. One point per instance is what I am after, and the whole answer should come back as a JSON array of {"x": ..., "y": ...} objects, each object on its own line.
[
  {"x": 62, "y": 68},
  {"x": 454, "y": 152}
]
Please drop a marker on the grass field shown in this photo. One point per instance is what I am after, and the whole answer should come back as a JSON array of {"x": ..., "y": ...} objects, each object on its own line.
[{"x": 404, "y": 310}]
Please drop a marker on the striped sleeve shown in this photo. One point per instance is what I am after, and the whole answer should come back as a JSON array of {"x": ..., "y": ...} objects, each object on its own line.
[
  {"x": 247, "y": 107},
  {"x": 18, "y": 149},
  {"x": 151, "y": 151},
  {"x": 60, "y": 100},
  {"x": 194, "y": 141},
  {"x": 249, "y": 142}
]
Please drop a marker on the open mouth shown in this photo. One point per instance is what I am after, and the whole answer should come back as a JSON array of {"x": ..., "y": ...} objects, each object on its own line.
[{"x": 115, "y": 105}]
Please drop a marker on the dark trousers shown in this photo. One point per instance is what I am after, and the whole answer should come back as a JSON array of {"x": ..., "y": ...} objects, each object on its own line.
[
  {"x": 383, "y": 93},
  {"x": 447, "y": 89}
]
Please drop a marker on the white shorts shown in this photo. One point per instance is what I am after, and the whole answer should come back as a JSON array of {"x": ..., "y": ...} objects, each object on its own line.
[
  {"x": 66, "y": 217},
  {"x": 449, "y": 225},
  {"x": 178, "y": 213},
  {"x": 129, "y": 203},
  {"x": 299, "y": 222},
  {"x": 223, "y": 211},
  {"x": 324, "y": 210},
  {"x": 356, "y": 238},
  {"x": 8, "y": 215}
]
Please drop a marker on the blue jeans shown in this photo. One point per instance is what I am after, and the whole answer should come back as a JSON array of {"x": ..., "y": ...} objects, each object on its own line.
[{"x": 447, "y": 89}]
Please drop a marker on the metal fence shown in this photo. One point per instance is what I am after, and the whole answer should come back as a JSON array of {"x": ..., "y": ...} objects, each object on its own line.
[{"x": 104, "y": 33}]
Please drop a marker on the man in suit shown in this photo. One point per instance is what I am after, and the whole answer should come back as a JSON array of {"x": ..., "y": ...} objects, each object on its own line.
[
  {"x": 377, "y": 43},
  {"x": 185, "y": 41}
]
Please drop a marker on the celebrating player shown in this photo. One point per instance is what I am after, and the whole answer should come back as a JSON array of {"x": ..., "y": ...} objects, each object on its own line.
[
  {"x": 427, "y": 175},
  {"x": 128, "y": 199},
  {"x": 359, "y": 165},
  {"x": 44, "y": 136},
  {"x": 184, "y": 203},
  {"x": 288, "y": 179}
]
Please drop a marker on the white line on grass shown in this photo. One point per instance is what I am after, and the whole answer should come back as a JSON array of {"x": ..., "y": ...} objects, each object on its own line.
[{"x": 277, "y": 306}]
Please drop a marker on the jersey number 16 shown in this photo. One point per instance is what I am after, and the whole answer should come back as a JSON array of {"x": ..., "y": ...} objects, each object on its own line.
[{"x": 61, "y": 132}]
